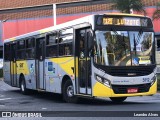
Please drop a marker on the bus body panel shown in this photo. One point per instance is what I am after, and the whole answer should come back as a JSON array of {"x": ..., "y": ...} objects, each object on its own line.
[
  {"x": 55, "y": 70},
  {"x": 100, "y": 90},
  {"x": 51, "y": 76},
  {"x": 7, "y": 72},
  {"x": 27, "y": 69}
]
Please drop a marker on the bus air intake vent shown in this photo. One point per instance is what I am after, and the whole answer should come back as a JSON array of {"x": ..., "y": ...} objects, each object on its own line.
[{"x": 127, "y": 71}]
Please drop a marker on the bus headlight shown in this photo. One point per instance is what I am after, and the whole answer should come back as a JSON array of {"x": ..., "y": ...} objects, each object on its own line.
[
  {"x": 98, "y": 78},
  {"x": 153, "y": 80},
  {"x": 106, "y": 83},
  {"x": 102, "y": 80}
]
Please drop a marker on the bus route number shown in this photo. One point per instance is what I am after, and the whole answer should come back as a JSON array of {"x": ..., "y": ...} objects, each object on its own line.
[{"x": 146, "y": 80}]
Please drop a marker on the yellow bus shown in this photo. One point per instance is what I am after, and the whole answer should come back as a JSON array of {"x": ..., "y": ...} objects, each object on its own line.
[{"x": 94, "y": 56}]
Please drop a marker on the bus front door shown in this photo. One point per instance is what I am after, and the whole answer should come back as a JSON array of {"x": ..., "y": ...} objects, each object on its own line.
[
  {"x": 13, "y": 65},
  {"x": 83, "y": 78},
  {"x": 40, "y": 63}
]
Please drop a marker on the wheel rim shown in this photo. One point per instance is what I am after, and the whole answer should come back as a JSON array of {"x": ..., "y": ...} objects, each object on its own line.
[
  {"x": 70, "y": 91},
  {"x": 22, "y": 86}
]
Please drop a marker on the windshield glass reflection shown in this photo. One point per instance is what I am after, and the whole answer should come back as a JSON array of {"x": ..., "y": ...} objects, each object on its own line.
[{"x": 123, "y": 48}]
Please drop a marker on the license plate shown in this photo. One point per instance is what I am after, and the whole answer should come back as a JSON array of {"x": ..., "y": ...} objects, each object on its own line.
[{"x": 132, "y": 90}]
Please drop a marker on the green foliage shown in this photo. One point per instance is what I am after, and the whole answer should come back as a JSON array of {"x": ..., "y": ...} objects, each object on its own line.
[
  {"x": 156, "y": 14},
  {"x": 125, "y": 6}
]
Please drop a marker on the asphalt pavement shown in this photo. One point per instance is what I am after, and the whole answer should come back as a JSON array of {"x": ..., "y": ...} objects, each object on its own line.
[{"x": 49, "y": 104}]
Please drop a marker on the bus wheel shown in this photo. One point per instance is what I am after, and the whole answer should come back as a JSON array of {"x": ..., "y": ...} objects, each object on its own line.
[
  {"x": 23, "y": 88},
  {"x": 118, "y": 99},
  {"x": 68, "y": 92}
]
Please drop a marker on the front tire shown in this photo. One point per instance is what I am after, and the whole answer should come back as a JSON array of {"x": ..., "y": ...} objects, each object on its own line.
[
  {"x": 68, "y": 92},
  {"x": 118, "y": 99},
  {"x": 23, "y": 88}
]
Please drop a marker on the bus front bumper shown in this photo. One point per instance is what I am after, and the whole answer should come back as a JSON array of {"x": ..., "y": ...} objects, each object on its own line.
[{"x": 100, "y": 90}]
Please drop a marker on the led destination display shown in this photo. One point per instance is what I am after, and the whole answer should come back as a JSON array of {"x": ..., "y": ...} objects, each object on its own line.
[{"x": 124, "y": 21}]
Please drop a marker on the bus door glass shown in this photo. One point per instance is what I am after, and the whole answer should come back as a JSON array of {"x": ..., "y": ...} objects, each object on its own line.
[
  {"x": 158, "y": 54},
  {"x": 84, "y": 61},
  {"x": 13, "y": 65},
  {"x": 40, "y": 42}
]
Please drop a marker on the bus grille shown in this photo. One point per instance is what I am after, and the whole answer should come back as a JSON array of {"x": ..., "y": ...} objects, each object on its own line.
[
  {"x": 122, "y": 89},
  {"x": 129, "y": 71}
]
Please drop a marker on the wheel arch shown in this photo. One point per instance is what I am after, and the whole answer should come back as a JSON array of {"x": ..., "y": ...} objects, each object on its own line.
[
  {"x": 64, "y": 79},
  {"x": 20, "y": 76}
]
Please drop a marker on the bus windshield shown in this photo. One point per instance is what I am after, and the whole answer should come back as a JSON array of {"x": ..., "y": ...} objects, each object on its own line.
[{"x": 124, "y": 48}]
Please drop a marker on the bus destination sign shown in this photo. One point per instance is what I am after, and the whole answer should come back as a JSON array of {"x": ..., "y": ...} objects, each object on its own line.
[{"x": 123, "y": 21}]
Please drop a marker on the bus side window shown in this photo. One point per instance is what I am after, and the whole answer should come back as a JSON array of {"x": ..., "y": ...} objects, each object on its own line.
[
  {"x": 7, "y": 55},
  {"x": 65, "y": 42},
  {"x": 158, "y": 44},
  {"x": 21, "y": 52},
  {"x": 51, "y": 45},
  {"x": 52, "y": 51},
  {"x": 60, "y": 40},
  {"x": 30, "y": 48},
  {"x": 65, "y": 49}
]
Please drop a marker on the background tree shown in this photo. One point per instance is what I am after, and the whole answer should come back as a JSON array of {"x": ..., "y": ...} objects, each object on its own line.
[
  {"x": 125, "y": 6},
  {"x": 156, "y": 14}
]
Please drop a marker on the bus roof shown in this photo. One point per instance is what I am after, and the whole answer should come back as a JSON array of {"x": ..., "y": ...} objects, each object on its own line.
[
  {"x": 125, "y": 14},
  {"x": 79, "y": 21},
  {"x": 86, "y": 19}
]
